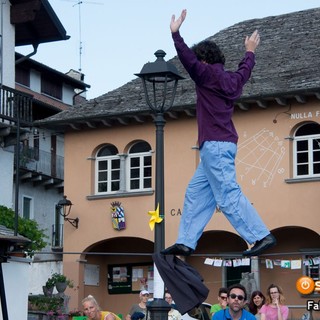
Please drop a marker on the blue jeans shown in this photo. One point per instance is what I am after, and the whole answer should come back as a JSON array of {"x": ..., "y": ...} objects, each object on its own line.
[{"x": 214, "y": 183}]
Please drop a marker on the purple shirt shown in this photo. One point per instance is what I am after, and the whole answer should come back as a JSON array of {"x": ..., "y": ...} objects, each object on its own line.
[{"x": 216, "y": 90}]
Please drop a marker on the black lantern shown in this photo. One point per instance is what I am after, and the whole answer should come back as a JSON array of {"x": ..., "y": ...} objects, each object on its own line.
[
  {"x": 160, "y": 81},
  {"x": 64, "y": 207}
]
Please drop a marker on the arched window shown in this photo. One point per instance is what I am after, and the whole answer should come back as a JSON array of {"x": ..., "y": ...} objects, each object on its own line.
[
  {"x": 307, "y": 151},
  {"x": 107, "y": 170},
  {"x": 139, "y": 166}
]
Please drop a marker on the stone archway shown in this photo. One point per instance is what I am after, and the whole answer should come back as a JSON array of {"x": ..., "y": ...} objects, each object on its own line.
[{"x": 115, "y": 251}]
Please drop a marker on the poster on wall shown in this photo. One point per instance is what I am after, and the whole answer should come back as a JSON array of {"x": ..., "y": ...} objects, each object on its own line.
[
  {"x": 91, "y": 275},
  {"x": 130, "y": 278},
  {"x": 119, "y": 279},
  {"x": 120, "y": 274},
  {"x": 142, "y": 278}
]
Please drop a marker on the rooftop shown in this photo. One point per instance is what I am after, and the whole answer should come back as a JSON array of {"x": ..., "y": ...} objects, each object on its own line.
[{"x": 287, "y": 67}]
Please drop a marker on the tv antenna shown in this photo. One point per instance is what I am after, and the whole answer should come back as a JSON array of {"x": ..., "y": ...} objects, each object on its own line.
[{"x": 79, "y": 3}]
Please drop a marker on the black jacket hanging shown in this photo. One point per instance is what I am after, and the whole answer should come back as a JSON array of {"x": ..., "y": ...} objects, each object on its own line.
[{"x": 184, "y": 283}]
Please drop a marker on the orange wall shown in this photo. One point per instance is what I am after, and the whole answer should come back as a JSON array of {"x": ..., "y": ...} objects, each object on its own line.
[{"x": 263, "y": 164}]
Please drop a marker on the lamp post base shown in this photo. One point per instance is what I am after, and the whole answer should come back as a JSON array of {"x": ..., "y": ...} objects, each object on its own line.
[{"x": 158, "y": 309}]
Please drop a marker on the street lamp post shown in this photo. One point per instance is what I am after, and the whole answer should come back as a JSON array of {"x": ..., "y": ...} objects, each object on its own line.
[{"x": 160, "y": 80}]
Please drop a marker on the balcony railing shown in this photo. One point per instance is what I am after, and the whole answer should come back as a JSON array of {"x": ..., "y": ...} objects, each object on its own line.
[
  {"x": 42, "y": 162},
  {"x": 15, "y": 106}
]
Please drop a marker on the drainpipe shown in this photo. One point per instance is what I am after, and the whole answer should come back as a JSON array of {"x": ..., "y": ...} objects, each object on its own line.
[
  {"x": 17, "y": 149},
  {"x": 77, "y": 94},
  {"x": 35, "y": 49}
]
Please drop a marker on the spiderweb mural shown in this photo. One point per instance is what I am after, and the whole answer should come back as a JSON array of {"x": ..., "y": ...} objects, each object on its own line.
[{"x": 259, "y": 158}]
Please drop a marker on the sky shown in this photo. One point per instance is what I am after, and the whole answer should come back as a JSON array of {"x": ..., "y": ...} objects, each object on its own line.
[{"x": 111, "y": 40}]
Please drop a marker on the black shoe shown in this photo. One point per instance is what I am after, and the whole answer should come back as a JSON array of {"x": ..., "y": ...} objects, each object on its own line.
[
  {"x": 178, "y": 249},
  {"x": 261, "y": 245}
]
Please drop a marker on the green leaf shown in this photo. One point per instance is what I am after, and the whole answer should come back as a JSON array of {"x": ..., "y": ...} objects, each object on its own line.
[{"x": 26, "y": 227}]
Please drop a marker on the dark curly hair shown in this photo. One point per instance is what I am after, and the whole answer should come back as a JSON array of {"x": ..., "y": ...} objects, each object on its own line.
[{"x": 209, "y": 52}]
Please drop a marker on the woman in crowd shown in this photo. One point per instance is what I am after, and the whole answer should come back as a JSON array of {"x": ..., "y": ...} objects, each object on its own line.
[
  {"x": 274, "y": 308},
  {"x": 257, "y": 300},
  {"x": 93, "y": 311}
]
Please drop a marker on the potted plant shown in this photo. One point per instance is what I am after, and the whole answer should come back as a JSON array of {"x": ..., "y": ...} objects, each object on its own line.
[
  {"x": 61, "y": 282},
  {"x": 45, "y": 304},
  {"x": 48, "y": 287}
]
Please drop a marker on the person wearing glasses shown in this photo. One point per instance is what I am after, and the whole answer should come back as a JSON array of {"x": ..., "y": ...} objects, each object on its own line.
[
  {"x": 173, "y": 314},
  {"x": 222, "y": 301},
  {"x": 274, "y": 308},
  {"x": 237, "y": 298}
]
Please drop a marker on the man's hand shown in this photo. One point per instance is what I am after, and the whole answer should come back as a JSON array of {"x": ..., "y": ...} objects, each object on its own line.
[
  {"x": 252, "y": 42},
  {"x": 224, "y": 304},
  {"x": 176, "y": 24}
]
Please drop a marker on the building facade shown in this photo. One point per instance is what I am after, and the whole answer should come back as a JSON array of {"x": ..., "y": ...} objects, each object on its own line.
[
  {"x": 110, "y": 168},
  {"x": 41, "y": 176},
  {"x": 30, "y": 183}
]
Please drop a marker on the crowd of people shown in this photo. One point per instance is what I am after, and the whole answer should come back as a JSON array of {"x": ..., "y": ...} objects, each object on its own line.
[
  {"x": 138, "y": 311},
  {"x": 233, "y": 303}
]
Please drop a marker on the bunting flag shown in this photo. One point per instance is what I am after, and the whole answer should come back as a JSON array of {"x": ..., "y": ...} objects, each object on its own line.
[
  {"x": 296, "y": 264},
  {"x": 269, "y": 263},
  {"x": 155, "y": 218}
]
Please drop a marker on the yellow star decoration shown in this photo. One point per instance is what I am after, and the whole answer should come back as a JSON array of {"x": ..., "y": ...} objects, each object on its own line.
[{"x": 154, "y": 218}]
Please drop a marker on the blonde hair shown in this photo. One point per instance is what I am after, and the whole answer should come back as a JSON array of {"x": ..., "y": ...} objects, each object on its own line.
[
  {"x": 91, "y": 298},
  {"x": 281, "y": 296}
]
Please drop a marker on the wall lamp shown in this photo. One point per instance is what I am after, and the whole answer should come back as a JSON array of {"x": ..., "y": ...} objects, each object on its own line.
[{"x": 64, "y": 207}]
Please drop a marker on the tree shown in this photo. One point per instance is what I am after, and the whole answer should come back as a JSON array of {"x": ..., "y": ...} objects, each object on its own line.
[{"x": 26, "y": 227}]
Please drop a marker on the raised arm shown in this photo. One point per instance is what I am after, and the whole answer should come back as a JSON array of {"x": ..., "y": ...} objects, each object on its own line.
[
  {"x": 176, "y": 24},
  {"x": 252, "y": 42}
]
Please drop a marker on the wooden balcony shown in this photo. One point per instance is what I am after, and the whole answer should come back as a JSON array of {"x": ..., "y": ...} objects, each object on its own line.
[
  {"x": 15, "y": 114},
  {"x": 15, "y": 106},
  {"x": 41, "y": 168},
  {"x": 16, "y": 121}
]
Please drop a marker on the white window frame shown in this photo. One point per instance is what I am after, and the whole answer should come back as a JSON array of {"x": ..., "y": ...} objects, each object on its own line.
[
  {"x": 109, "y": 181},
  {"x": 141, "y": 169},
  {"x": 309, "y": 139}
]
